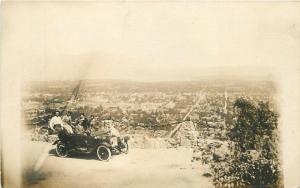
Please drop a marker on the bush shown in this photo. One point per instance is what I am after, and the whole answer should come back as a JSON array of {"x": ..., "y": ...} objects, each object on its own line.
[{"x": 255, "y": 129}]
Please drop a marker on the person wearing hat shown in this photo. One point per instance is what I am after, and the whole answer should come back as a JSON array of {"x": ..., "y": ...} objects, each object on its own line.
[
  {"x": 82, "y": 126},
  {"x": 84, "y": 122}
]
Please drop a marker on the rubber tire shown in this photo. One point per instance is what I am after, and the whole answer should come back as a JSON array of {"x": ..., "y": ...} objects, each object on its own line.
[
  {"x": 107, "y": 150},
  {"x": 58, "y": 153}
]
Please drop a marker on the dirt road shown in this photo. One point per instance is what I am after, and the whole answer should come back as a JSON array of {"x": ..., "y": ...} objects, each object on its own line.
[{"x": 141, "y": 168}]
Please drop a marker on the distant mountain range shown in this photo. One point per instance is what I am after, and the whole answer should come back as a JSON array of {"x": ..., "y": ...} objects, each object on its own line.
[{"x": 125, "y": 85}]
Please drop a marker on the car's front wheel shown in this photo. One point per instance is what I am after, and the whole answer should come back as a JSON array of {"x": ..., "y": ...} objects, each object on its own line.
[
  {"x": 103, "y": 153},
  {"x": 61, "y": 149}
]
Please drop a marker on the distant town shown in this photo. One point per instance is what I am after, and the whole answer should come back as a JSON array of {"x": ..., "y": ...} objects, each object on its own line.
[{"x": 136, "y": 104}]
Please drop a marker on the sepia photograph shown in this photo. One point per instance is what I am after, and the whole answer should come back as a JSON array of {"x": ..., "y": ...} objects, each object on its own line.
[{"x": 150, "y": 94}]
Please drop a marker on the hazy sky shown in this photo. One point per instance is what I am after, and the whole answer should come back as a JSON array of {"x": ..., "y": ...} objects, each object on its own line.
[{"x": 149, "y": 41}]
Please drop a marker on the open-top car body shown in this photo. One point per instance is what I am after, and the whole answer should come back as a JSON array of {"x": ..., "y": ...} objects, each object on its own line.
[{"x": 102, "y": 145}]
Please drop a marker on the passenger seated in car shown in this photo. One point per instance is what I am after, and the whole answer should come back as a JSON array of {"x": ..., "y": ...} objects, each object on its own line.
[
  {"x": 67, "y": 122},
  {"x": 55, "y": 122},
  {"x": 67, "y": 118},
  {"x": 78, "y": 129},
  {"x": 84, "y": 122},
  {"x": 82, "y": 126},
  {"x": 92, "y": 121}
]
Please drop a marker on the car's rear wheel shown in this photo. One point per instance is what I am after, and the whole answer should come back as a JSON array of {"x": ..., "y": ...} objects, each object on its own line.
[
  {"x": 103, "y": 153},
  {"x": 61, "y": 149}
]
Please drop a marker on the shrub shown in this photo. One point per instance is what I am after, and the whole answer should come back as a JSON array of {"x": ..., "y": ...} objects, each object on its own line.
[{"x": 255, "y": 129}]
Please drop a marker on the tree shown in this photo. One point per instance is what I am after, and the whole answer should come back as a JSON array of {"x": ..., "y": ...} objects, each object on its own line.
[
  {"x": 255, "y": 129},
  {"x": 244, "y": 130}
]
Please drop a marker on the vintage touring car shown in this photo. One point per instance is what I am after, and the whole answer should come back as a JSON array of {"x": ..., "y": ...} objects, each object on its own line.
[{"x": 103, "y": 145}]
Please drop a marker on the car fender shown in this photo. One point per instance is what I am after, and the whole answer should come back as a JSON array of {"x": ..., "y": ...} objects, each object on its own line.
[{"x": 105, "y": 144}]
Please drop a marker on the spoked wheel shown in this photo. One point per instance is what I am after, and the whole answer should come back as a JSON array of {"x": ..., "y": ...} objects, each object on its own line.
[
  {"x": 103, "y": 153},
  {"x": 125, "y": 148},
  {"x": 61, "y": 150}
]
